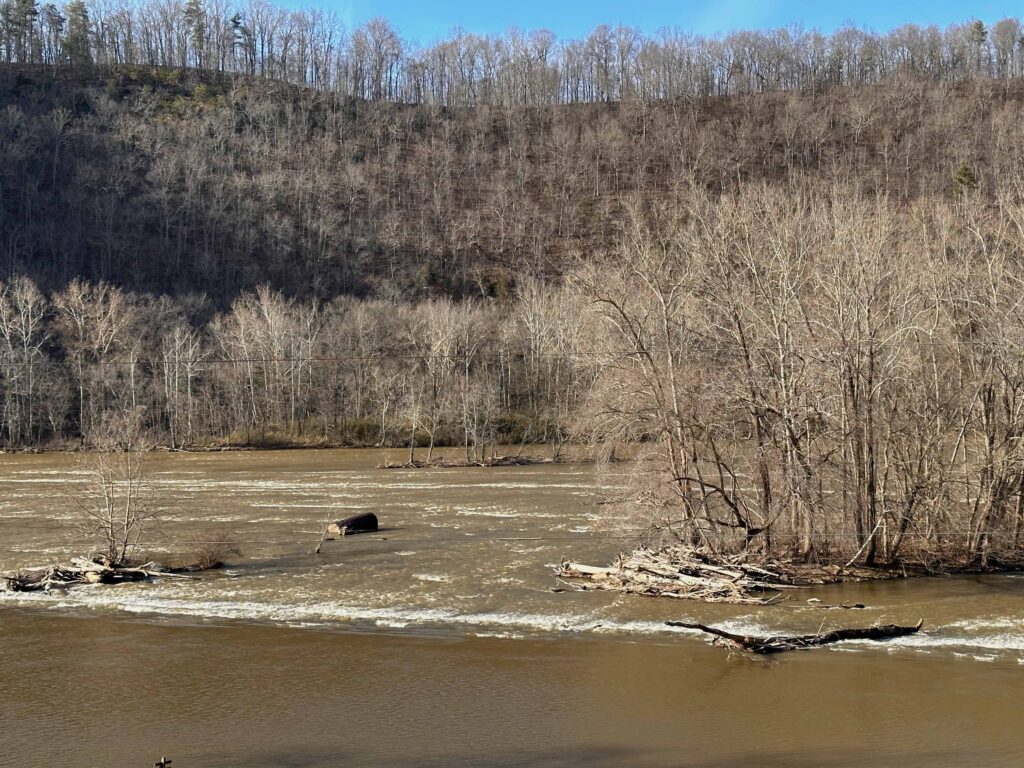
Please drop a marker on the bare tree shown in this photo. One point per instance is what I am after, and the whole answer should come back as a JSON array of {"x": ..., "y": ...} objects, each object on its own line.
[{"x": 114, "y": 501}]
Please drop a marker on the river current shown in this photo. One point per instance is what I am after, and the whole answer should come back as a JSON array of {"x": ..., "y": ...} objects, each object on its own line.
[{"x": 439, "y": 640}]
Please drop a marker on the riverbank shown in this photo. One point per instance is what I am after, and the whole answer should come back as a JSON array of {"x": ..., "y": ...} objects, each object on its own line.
[
  {"x": 490, "y": 461},
  {"x": 511, "y": 454}
]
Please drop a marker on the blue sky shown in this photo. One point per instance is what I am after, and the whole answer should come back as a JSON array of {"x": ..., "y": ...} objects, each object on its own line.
[{"x": 428, "y": 20}]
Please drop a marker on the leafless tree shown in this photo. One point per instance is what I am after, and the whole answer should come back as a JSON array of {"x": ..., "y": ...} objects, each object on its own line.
[{"x": 113, "y": 498}]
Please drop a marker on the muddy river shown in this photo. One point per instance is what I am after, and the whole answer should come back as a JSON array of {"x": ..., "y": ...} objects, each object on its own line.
[{"x": 439, "y": 642}]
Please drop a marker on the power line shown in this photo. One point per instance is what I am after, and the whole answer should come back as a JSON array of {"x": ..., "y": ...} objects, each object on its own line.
[
  {"x": 158, "y": 362},
  {"x": 500, "y": 356}
]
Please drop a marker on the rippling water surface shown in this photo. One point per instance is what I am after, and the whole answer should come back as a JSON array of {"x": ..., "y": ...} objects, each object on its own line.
[{"x": 439, "y": 640}]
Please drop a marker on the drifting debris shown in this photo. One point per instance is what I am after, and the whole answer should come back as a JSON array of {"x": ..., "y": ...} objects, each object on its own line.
[
  {"x": 780, "y": 643},
  {"x": 815, "y": 602}
]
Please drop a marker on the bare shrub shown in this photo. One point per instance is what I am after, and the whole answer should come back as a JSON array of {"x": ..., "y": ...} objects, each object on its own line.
[{"x": 210, "y": 548}]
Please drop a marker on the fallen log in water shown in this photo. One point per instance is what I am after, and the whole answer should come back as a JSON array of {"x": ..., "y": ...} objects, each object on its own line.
[
  {"x": 362, "y": 523},
  {"x": 681, "y": 572},
  {"x": 780, "y": 643}
]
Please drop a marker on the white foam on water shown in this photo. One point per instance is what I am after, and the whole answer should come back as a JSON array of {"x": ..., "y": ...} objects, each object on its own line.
[
  {"x": 430, "y": 577},
  {"x": 937, "y": 638},
  {"x": 165, "y": 600},
  {"x": 54, "y": 472},
  {"x": 310, "y": 505},
  {"x": 139, "y": 602},
  {"x": 488, "y": 513},
  {"x": 994, "y": 622},
  {"x": 934, "y": 638},
  {"x": 27, "y": 548},
  {"x": 525, "y": 550}
]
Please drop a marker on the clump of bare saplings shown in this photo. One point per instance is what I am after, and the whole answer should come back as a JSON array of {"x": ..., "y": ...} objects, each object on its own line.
[
  {"x": 823, "y": 387},
  {"x": 206, "y": 550}
]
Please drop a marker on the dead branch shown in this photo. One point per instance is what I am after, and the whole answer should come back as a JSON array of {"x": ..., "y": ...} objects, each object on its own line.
[{"x": 781, "y": 643}]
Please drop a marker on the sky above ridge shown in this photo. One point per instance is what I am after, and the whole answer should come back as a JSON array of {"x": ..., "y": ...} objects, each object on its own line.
[{"x": 424, "y": 21}]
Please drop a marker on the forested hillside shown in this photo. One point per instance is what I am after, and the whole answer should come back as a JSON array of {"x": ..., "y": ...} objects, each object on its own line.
[
  {"x": 195, "y": 147},
  {"x": 180, "y": 182}
]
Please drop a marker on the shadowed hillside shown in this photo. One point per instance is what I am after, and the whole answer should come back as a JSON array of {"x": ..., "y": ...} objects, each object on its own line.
[{"x": 182, "y": 182}]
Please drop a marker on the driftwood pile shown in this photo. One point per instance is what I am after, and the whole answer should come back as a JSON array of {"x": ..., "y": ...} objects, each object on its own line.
[
  {"x": 80, "y": 571},
  {"x": 683, "y": 572},
  {"x": 780, "y": 643}
]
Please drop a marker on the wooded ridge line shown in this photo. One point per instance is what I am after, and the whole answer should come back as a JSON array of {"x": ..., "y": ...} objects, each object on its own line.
[
  {"x": 372, "y": 61},
  {"x": 204, "y": 187}
]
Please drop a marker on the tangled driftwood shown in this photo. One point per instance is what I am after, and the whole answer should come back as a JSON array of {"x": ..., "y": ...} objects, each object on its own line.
[
  {"x": 780, "y": 643},
  {"x": 682, "y": 572},
  {"x": 80, "y": 571}
]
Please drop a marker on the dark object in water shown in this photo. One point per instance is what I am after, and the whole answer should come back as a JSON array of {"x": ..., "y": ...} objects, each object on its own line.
[
  {"x": 363, "y": 523},
  {"x": 780, "y": 643}
]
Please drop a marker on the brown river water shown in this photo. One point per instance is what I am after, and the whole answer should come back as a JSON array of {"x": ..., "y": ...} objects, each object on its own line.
[{"x": 438, "y": 641}]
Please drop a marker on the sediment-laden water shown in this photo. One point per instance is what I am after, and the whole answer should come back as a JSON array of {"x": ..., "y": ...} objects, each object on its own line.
[{"x": 438, "y": 641}]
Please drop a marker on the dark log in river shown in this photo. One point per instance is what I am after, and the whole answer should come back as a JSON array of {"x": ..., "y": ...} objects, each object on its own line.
[{"x": 781, "y": 643}]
